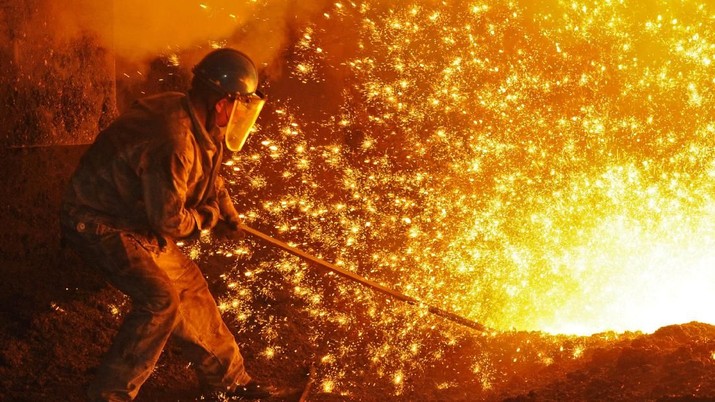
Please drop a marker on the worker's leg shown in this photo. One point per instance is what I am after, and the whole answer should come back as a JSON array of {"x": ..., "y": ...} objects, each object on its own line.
[
  {"x": 128, "y": 260},
  {"x": 205, "y": 337}
]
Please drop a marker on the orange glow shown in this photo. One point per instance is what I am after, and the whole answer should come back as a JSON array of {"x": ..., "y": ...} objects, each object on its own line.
[{"x": 529, "y": 165}]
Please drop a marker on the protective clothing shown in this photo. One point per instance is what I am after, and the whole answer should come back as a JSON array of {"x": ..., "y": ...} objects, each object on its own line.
[
  {"x": 150, "y": 170},
  {"x": 233, "y": 75},
  {"x": 151, "y": 178}
]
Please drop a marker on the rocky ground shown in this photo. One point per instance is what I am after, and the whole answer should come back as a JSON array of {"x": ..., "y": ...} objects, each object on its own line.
[{"x": 57, "y": 317}]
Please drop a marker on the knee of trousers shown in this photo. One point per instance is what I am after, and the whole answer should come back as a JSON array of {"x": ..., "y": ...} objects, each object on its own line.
[{"x": 164, "y": 306}]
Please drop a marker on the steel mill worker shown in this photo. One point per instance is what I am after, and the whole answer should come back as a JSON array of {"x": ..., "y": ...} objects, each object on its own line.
[{"x": 149, "y": 179}]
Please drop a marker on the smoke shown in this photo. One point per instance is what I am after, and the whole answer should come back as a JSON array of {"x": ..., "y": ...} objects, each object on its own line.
[{"x": 137, "y": 31}]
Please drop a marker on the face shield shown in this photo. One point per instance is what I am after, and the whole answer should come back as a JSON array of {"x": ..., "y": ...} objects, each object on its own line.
[{"x": 246, "y": 109}]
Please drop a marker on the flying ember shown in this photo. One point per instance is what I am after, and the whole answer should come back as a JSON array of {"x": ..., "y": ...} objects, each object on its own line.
[{"x": 529, "y": 165}]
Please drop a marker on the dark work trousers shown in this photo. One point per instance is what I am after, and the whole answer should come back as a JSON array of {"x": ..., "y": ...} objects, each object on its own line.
[{"x": 169, "y": 296}]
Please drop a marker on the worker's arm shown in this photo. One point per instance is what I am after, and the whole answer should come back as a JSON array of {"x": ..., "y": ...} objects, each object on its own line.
[
  {"x": 225, "y": 203},
  {"x": 164, "y": 182}
]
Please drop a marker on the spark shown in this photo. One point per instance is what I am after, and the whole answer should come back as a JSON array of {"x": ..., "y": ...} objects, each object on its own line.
[{"x": 529, "y": 165}]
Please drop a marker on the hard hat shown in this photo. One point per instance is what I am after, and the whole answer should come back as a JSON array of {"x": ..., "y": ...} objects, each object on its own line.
[
  {"x": 233, "y": 75},
  {"x": 228, "y": 71}
]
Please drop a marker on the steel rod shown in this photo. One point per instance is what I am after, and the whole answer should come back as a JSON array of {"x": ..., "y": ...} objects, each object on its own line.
[{"x": 357, "y": 278}]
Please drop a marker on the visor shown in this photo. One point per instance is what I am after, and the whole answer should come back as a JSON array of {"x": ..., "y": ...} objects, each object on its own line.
[{"x": 246, "y": 109}]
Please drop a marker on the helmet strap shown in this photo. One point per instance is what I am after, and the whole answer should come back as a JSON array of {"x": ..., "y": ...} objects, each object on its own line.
[{"x": 210, "y": 114}]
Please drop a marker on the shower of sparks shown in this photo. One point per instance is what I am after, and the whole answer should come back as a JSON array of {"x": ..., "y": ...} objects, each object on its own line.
[{"x": 530, "y": 165}]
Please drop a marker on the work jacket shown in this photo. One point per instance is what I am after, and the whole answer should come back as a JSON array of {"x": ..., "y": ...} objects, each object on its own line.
[{"x": 151, "y": 169}]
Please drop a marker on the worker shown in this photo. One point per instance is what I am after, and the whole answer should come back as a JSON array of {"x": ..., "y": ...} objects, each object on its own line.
[{"x": 149, "y": 179}]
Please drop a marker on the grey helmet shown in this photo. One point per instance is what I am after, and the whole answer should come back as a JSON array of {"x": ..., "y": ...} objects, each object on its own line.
[{"x": 228, "y": 71}]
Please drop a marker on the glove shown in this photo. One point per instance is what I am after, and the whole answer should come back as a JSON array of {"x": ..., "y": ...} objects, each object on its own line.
[
  {"x": 208, "y": 216},
  {"x": 229, "y": 229}
]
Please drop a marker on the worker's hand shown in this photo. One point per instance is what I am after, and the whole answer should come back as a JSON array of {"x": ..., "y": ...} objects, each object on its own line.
[
  {"x": 229, "y": 230},
  {"x": 209, "y": 216}
]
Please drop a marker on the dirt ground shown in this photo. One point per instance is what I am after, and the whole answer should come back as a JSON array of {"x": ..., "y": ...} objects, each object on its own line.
[{"x": 57, "y": 317}]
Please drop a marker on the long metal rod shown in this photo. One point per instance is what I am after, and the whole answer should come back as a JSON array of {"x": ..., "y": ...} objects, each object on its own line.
[{"x": 357, "y": 278}]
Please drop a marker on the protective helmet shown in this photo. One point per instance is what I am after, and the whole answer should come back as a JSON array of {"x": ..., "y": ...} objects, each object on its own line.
[
  {"x": 228, "y": 71},
  {"x": 233, "y": 75}
]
